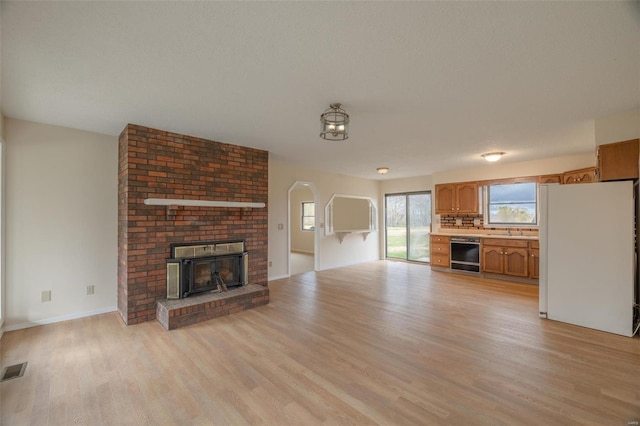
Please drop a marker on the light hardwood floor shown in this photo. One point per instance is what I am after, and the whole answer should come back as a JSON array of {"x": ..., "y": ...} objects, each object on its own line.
[{"x": 384, "y": 342}]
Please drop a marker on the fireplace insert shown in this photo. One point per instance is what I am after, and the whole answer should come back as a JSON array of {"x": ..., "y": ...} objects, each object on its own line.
[{"x": 201, "y": 267}]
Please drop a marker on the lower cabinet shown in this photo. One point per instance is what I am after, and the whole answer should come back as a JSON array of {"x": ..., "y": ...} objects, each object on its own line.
[
  {"x": 534, "y": 264},
  {"x": 440, "y": 251},
  {"x": 534, "y": 259},
  {"x": 506, "y": 257},
  {"x": 510, "y": 257}
]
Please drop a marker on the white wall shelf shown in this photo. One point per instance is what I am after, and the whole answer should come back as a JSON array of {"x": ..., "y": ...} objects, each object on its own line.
[{"x": 341, "y": 234}]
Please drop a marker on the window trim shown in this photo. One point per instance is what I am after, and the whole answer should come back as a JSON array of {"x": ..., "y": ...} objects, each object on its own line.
[
  {"x": 302, "y": 216},
  {"x": 505, "y": 225}
]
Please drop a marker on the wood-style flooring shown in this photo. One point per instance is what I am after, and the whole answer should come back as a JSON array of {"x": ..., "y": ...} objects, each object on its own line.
[{"x": 388, "y": 343}]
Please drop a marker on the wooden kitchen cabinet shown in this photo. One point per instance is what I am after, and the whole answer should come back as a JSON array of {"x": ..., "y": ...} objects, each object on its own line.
[
  {"x": 557, "y": 178},
  {"x": 457, "y": 198},
  {"x": 446, "y": 198},
  {"x": 534, "y": 264},
  {"x": 618, "y": 161},
  {"x": 505, "y": 257},
  {"x": 492, "y": 260},
  {"x": 586, "y": 175},
  {"x": 440, "y": 251}
]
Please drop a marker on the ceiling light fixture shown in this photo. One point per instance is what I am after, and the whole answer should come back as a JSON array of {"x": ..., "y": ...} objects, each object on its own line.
[
  {"x": 382, "y": 170},
  {"x": 334, "y": 123},
  {"x": 492, "y": 156}
]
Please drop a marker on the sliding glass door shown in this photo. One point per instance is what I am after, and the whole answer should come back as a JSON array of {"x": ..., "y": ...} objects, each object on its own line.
[{"x": 407, "y": 226}]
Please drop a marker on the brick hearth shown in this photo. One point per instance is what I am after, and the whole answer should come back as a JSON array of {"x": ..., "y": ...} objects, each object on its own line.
[
  {"x": 159, "y": 164},
  {"x": 180, "y": 312}
]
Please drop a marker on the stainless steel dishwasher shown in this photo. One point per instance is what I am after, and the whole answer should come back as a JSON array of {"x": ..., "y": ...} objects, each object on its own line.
[{"x": 465, "y": 254}]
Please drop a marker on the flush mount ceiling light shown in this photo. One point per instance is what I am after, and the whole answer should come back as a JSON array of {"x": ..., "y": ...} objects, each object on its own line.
[
  {"x": 334, "y": 124},
  {"x": 492, "y": 156},
  {"x": 382, "y": 170}
]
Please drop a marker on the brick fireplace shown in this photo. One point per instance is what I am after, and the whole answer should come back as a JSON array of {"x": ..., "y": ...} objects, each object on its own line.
[{"x": 159, "y": 164}]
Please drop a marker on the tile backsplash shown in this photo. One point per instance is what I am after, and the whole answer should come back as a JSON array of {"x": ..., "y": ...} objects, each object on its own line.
[{"x": 471, "y": 222}]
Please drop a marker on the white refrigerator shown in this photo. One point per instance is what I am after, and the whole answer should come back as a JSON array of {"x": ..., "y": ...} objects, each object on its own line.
[{"x": 587, "y": 255}]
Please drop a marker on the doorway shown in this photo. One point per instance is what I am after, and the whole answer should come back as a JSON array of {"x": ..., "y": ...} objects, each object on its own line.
[
  {"x": 302, "y": 228},
  {"x": 407, "y": 226}
]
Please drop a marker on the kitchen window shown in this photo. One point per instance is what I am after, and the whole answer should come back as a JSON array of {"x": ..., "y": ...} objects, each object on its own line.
[
  {"x": 512, "y": 204},
  {"x": 308, "y": 216}
]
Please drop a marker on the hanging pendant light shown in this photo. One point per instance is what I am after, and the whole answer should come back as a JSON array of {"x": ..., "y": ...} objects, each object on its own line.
[{"x": 334, "y": 124}]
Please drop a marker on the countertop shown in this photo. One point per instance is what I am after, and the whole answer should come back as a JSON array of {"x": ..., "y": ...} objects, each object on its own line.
[{"x": 454, "y": 233}]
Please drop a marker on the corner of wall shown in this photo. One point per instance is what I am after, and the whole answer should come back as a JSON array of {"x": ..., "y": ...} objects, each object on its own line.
[{"x": 619, "y": 127}]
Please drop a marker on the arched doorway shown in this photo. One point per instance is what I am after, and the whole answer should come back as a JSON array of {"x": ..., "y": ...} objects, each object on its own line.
[{"x": 303, "y": 226}]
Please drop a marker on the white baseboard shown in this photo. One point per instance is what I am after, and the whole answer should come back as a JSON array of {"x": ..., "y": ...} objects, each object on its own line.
[
  {"x": 20, "y": 326},
  {"x": 278, "y": 277}
]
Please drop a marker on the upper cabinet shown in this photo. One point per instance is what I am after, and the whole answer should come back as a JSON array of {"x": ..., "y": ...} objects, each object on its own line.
[
  {"x": 555, "y": 178},
  {"x": 587, "y": 175},
  {"x": 618, "y": 161},
  {"x": 457, "y": 198}
]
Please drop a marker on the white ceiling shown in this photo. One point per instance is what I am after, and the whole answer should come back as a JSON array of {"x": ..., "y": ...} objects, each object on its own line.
[{"x": 429, "y": 86}]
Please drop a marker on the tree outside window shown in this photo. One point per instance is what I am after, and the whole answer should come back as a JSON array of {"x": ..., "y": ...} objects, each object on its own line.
[{"x": 512, "y": 204}]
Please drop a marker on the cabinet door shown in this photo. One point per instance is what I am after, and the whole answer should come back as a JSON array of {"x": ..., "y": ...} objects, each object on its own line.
[
  {"x": 439, "y": 239},
  {"x": 440, "y": 248},
  {"x": 445, "y": 199},
  {"x": 467, "y": 197},
  {"x": 534, "y": 264},
  {"x": 516, "y": 262},
  {"x": 568, "y": 178},
  {"x": 492, "y": 261},
  {"x": 550, "y": 179},
  {"x": 440, "y": 260},
  {"x": 587, "y": 175},
  {"x": 618, "y": 161}
]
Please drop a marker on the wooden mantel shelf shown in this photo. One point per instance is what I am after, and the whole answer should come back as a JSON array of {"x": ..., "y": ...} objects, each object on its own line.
[{"x": 201, "y": 203}]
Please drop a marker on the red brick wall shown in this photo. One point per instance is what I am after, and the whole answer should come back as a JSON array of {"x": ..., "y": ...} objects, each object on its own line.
[
  {"x": 158, "y": 164},
  {"x": 449, "y": 222}
]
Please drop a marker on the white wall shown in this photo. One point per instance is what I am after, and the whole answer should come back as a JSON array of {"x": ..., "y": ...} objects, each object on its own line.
[
  {"x": 330, "y": 254},
  {"x": 3, "y": 181},
  {"x": 2, "y": 269},
  {"x": 61, "y": 222},
  {"x": 524, "y": 168},
  {"x": 619, "y": 127},
  {"x": 301, "y": 241}
]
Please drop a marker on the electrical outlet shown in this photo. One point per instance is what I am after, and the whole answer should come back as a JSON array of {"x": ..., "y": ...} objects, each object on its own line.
[
  {"x": 476, "y": 222},
  {"x": 45, "y": 296},
  {"x": 270, "y": 264},
  {"x": 280, "y": 227},
  {"x": 90, "y": 290},
  {"x": 458, "y": 222}
]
